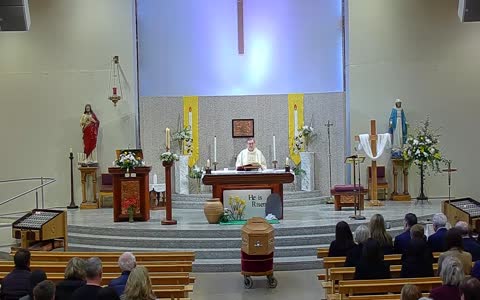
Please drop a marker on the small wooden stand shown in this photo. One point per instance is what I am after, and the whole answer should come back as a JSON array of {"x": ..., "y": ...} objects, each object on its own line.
[
  {"x": 168, "y": 191},
  {"x": 399, "y": 163},
  {"x": 92, "y": 171}
]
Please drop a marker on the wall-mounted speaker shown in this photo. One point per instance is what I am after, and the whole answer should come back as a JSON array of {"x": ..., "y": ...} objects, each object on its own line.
[
  {"x": 14, "y": 15},
  {"x": 469, "y": 10}
]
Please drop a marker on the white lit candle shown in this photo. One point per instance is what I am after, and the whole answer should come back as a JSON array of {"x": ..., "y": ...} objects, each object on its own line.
[
  {"x": 208, "y": 163},
  {"x": 167, "y": 137},
  {"x": 287, "y": 162},
  {"x": 215, "y": 148},
  {"x": 274, "y": 149},
  {"x": 71, "y": 150}
]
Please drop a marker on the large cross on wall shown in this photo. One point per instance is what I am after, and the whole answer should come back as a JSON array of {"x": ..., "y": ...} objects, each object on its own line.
[{"x": 240, "y": 39}]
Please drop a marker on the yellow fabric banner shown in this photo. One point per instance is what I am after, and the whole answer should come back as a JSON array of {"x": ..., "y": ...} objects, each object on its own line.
[
  {"x": 190, "y": 118},
  {"x": 295, "y": 121}
]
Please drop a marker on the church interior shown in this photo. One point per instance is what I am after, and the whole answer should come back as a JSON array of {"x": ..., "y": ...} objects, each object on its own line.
[{"x": 293, "y": 149}]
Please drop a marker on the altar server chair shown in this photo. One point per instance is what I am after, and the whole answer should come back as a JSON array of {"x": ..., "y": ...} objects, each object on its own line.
[
  {"x": 382, "y": 183},
  {"x": 106, "y": 190}
]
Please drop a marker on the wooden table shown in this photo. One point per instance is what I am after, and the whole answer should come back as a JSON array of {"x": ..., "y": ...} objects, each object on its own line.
[
  {"x": 92, "y": 173},
  {"x": 247, "y": 180},
  {"x": 399, "y": 163}
]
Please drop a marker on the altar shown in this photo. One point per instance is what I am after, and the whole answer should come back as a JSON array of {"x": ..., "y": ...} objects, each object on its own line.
[{"x": 270, "y": 181}]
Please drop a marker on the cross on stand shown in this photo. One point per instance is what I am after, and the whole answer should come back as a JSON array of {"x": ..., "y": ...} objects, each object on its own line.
[{"x": 373, "y": 144}]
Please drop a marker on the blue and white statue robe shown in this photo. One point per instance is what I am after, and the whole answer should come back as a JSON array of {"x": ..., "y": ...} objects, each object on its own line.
[{"x": 399, "y": 133}]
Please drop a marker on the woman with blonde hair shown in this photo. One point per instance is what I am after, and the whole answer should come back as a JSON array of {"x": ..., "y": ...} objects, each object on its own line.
[
  {"x": 380, "y": 234},
  {"x": 75, "y": 275},
  {"x": 139, "y": 285},
  {"x": 410, "y": 292}
]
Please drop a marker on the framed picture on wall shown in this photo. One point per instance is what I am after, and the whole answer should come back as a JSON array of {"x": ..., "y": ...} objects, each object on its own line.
[{"x": 243, "y": 128}]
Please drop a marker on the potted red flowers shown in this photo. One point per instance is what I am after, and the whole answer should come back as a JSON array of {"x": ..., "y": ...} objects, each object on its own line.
[{"x": 130, "y": 204}]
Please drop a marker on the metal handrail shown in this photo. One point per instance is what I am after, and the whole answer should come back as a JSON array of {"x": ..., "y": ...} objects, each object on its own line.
[{"x": 49, "y": 180}]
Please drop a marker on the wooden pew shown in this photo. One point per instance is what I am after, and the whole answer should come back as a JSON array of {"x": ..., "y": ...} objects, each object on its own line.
[
  {"x": 59, "y": 267},
  {"x": 112, "y": 256},
  {"x": 181, "y": 278},
  {"x": 322, "y": 252},
  {"x": 393, "y": 259},
  {"x": 380, "y": 297},
  {"x": 348, "y": 288},
  {"x": 172, "y": 291},
  {"x": 347, "y": 273}
]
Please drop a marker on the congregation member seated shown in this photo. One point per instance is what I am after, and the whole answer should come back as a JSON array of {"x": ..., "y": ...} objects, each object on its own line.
[
  {"x": 436, "y": 241},
  {"x": 17, "y": 283},
  {"x": 36, "y": 277},
  {"x": 378, "y": 232},
  {"x": 74, "y": 278},
  {"x": 107, "y": 293},
  {"x": 126, "y": 262},
  {"x": 418, "y": 258},
  {"x": 470, "y": 289},
  {"x": 45, "y": 290},
  {"x": 343, "y": 242},
  {"x": 401, "y": 241},
  {"x": 355, "y": 254},
  {"x": 410, "y": 292},
  {"x": 93, "y": 272},
  {"x": 454, "y": 243},
  {"x": 476, "y": 270},
  {"x": 372, "y": 265},
  {"x": 139, "y": 285},
  {"x": 469, "y": 244},
  {"x": 452, "y": 275}
]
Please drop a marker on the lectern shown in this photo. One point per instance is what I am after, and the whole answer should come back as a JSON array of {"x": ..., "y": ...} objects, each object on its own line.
[{"x": 127, "y": 185}]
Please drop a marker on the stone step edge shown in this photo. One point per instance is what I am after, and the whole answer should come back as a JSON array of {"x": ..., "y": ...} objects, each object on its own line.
[
  {"x": 138, "y": 249},
  {"x": 114, "y": 237}
]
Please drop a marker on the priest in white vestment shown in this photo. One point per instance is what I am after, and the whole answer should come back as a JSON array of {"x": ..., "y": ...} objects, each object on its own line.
[{"x": 251, "y": 155}]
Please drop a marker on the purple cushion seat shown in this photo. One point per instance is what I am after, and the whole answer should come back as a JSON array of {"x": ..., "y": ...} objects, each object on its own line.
[{"x": 339, "y": 188}]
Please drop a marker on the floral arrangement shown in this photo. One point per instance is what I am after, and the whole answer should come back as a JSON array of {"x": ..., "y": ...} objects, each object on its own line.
[
  {"x": 304, "y": 135},
  {"x": 422, "y": 148},
  {"x": 129, "y": 204},
  {"x": 169, "y": 157},
  {"x": 184, "y": 137},
  {"x": 128, "y": 160},
  {"x": 195, "y": 172},
  {"x": 236, "y": 210}
]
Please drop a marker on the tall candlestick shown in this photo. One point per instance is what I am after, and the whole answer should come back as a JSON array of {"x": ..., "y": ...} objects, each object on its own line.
[
  {"x": 215, "y": 148},
  {"x": 274, "y": 149},
  {"x": 167, "y": 138}
]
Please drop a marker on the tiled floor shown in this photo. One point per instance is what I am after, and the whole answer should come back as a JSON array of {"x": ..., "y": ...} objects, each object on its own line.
[{"x": 291, "y": 285}]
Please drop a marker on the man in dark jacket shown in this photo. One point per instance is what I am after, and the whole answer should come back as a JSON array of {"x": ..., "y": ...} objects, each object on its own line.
[
  {"x": 469, "y": 243},
  {"x": 17, "y": 283},
  {"x": 436, "y": 242},
  {"x": 94, "y": 273},
  {"x": 127, "y": 263},
  {"x": 402, "y": 240}
]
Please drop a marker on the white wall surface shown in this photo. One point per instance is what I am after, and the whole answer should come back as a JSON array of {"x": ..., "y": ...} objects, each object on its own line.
[
  {"x": 418, "y": 51},
  {"x": 47, "y": 75}
]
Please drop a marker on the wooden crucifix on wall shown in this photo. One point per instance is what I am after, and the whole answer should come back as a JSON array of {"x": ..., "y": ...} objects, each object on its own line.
[
  {"x": 373, "y": 145},
  {"x": 240, "y": 37}
]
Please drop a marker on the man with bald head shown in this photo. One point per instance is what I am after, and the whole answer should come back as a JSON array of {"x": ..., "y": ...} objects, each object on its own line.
[{"x": 469, "y": 243}]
